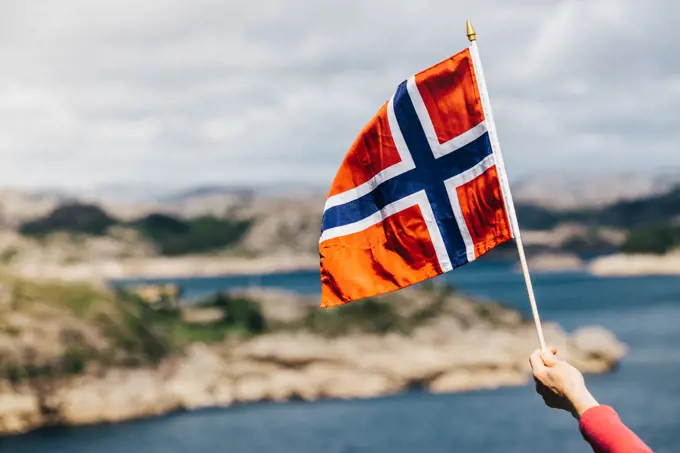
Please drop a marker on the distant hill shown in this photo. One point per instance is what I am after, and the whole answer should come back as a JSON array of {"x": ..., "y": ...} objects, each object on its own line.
[
  {"x": 554, "y": 190},
  {"x": 652, "y": 209},
  {"x": 18, "y": 206},
  {"x": 206, "y": 192},
  {"x": 559, "y": 190},
  {"x": 580, "y": 215}
]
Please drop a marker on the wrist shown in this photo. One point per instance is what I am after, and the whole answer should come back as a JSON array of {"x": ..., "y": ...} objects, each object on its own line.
[{"x": 581, "y": 402}]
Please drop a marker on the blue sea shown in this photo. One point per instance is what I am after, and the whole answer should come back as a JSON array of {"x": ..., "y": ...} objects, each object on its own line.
[{"x": 643, "y": 312}]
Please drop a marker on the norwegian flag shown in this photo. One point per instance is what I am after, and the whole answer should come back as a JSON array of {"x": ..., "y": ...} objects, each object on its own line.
[{"x": 421, "y": 191}]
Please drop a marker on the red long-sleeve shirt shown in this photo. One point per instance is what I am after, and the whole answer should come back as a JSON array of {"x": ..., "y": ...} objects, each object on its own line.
[{"x": 605, "y": 432}]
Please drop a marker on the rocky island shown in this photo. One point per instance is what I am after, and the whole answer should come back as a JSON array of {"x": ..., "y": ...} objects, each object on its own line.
[
  {"x": 621, "y": 265},
  {"x": 73, "y": 354}
]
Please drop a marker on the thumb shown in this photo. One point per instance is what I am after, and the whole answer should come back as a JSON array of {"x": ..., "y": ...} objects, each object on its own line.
[{"x": 549, "y": 358}]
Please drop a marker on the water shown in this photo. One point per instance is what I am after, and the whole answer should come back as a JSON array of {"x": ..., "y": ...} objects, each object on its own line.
[{"x": 643, "y": 312}]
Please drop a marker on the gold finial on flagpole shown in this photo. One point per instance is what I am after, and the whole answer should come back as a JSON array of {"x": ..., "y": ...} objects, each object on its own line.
[{"x": 471, "y": 33}]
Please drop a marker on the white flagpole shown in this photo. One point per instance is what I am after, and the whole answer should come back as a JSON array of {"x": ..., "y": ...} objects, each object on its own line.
[{"x": 496, "y": 147}]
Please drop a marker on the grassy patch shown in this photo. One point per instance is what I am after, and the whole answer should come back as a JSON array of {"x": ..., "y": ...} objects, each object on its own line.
[
  {"x": 162, "y": 331},
  {"x": 8, "y": 255},
  {"x": 77, "y": 298},
  {"x": 183, "y": 334},
  {"x": 241, "y": 313},
  {"x": 378, "y": 316}
]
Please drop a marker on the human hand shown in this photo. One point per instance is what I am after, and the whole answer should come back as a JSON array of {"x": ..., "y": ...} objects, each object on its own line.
[{"x": 560, "y": 384}]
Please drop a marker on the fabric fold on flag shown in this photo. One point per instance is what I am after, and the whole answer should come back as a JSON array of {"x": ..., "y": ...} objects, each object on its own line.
[{"x": 419, "y": 193}]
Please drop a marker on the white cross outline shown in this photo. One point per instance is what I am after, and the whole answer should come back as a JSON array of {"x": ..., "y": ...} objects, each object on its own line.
[{"x": 419, "y": 198}]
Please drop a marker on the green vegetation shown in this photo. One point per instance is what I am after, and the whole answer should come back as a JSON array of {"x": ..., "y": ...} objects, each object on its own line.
[
  {"x": 379, "y": 315},
  {"x": 369, "y": 315},
  {"x": 93, "y": 325},
  {"x": 658, "y": 239},
  {"x": 175, "y": 236},
  {"x": 240, "y": 312},
  {"x": 537, "y": 217},
  {"x": 78, "y": 299},
  {"x": 172, "y": 235},
  {"x": 71, "y": 218},
  {"x": 647, "y": 220},
  {"x": 650, "y": 223},
  {"x": 86, "y": 328},
  {"x": 106, "y": 328},
  {"x": 8, "y": 255},
  {"x": 240, "y": 316},
  {"x": 642, "y": 212},
  {"x": 624, "y": 214}
]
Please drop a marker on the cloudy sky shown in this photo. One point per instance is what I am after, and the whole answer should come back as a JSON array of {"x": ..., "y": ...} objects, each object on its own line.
[{"x": 177, "y": 92}]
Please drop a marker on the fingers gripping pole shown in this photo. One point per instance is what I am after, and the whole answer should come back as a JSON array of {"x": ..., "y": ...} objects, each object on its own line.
[{"x": 493, "y": 136}]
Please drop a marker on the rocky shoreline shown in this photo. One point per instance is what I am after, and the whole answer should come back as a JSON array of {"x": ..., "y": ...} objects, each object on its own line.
[
  {"x": 618, "y": 265},
  {"x": 123, "y": 255},
  {"x": 621, "y": 265},
  {"x": 554, "y": 262},
  {"x": 462, "y": 348},
  {"x": 164, "y": 267}
]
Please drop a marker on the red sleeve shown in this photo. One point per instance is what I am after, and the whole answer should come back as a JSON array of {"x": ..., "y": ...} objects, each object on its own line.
[{"x": 605, "y": 432}]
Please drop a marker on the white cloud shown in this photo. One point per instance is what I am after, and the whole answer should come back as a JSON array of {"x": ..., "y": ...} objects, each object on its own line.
[{"x": 175, "y": 92}]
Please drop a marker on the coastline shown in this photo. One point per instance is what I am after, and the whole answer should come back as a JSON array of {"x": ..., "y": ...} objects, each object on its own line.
[
  {"x": 621, "y": 265},
  {"x": 280, "y": 368},
  {"x": 191, "y": 266},
  {"x": 460, "y": 345},
  {"x": 163, "y": 267}
]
